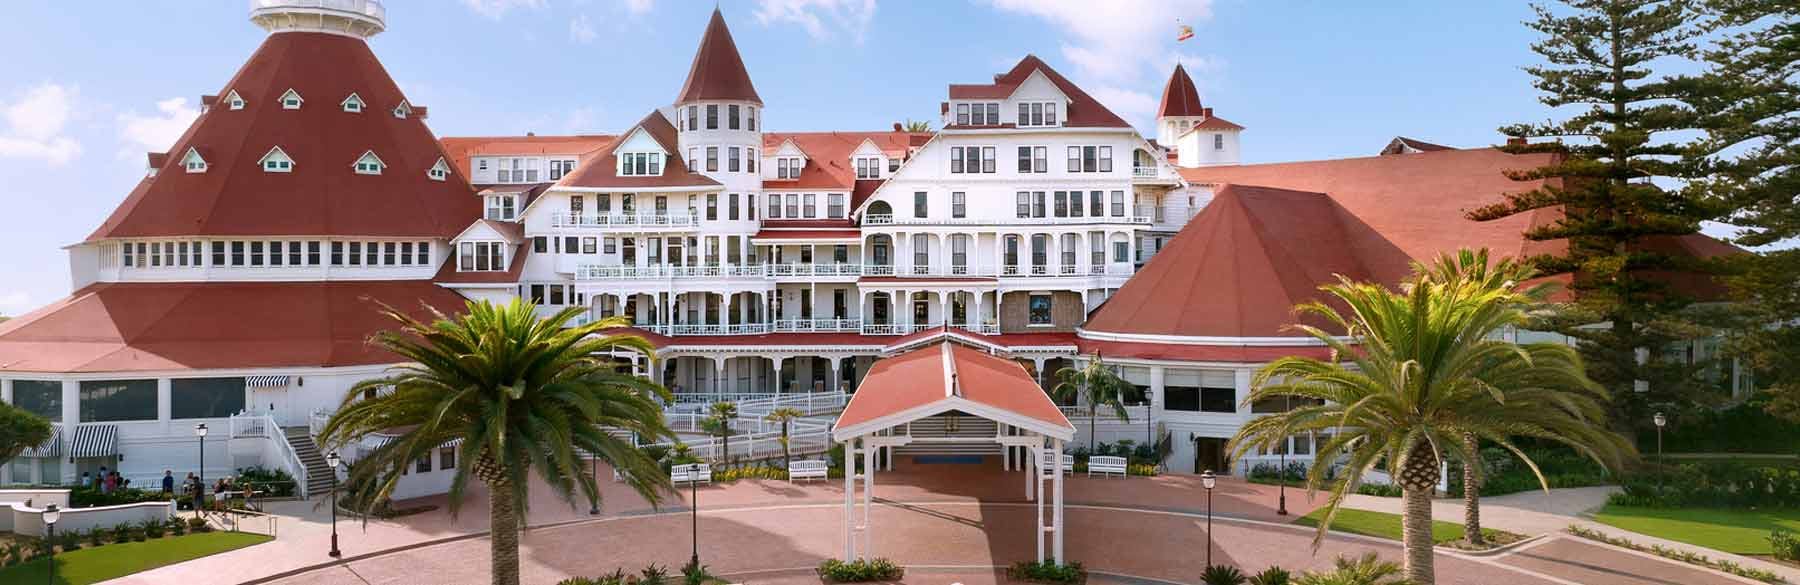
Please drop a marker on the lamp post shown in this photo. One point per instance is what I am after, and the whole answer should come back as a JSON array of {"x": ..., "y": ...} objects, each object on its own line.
[
  {"x": 694, "y": 505},
  {"x": 1208, "y": 480},
  {"x": 1660, "y": 421},
  {"x": 332, "y": 460},
  {"x": 200, "y": 486},
  {"x": 51, "y": 515}
]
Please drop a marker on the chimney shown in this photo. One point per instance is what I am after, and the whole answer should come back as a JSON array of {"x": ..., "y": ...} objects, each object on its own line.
[
  {"x": 898, "y": 127},
  {"x": 1206, "y": 112},
  {"x": 530, "y": 134}
]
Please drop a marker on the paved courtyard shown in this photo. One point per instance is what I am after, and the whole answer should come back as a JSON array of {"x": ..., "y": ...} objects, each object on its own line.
[{"x": 952, "y": 523}]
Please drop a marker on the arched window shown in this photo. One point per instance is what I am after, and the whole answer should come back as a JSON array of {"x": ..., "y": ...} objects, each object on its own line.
[
  {"x": 1040, "y": 250},
  {"x": 1012, "y": 253},
  {"x": 879, "y": 213},
  {"x": 881, "y": 248}
]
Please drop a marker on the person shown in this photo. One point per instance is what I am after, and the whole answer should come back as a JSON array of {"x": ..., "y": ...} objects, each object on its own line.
[
  {"x": 87, "y": 480},
  {"x": 100, "y": 480},
  {"x": 110, "y": 483},
  {"x": 168, "y": 482}
]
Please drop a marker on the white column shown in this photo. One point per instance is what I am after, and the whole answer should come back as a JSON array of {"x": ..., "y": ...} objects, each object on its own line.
[
  {"x": 71, "y": 415},
  {"x": 777, "y": 361},
  {"x": 849, "y": 499},
  {"x": 1058, "y": 515},
  {"x": 1037, "y": 484},
  {"x": 725, "y": 308},
  {"x": 1031, "y": 473},
  {"x": 1242, "y": 382},
  {"x": 837, "y": 375},
  {"x": 1039, "y": 362},
  {"x": 868, "y": 502},
  {"x": 165, "y": 402},
  {"x": 718, "y": 375}
]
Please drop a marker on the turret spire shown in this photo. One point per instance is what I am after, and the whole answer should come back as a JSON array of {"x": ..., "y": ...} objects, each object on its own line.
[{"x": 718, "y": 71}]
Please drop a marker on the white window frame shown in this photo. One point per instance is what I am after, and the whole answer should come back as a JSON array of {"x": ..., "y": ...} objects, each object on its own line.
[
  {"x": 276, "y": 161},
  {"x": 500, "y": 207},
  {"x": 234, "y": 101},
  {"x": 353, "y": 104},
  {"x": 653, "y": 164},
  {"x": 290, "y": 96},
  {"x": 439, "y": 170},
  {"x": 480, "y": 256},
  {"x": 403, "y": 110},
  {"x": 193, "y": 162},
  {"x": 369, "y": 164}
]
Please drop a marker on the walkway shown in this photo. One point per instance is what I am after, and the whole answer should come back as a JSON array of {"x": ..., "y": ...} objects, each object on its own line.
[{"x": 965, "y": 519}]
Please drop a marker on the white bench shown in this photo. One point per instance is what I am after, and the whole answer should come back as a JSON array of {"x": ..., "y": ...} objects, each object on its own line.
[
  {"x": 1049, "y": 463},
  {"x": 1106, "y": 464},
  {"x": 691, "y": 473},
  {"x": 808, "y": 470}
]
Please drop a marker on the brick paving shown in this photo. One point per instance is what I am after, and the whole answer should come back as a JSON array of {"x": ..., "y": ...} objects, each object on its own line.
[{"x": 967, "y": 517}]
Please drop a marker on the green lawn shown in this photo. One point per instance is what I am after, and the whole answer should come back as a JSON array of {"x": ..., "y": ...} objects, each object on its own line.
[
  {"x": 1383, "y": 525},
  {"x": 1737, "y": 531},
  {"x": 93, "y": 565}
]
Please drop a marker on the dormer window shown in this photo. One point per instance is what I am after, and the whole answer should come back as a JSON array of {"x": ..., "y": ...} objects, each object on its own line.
[
  {"x": 501, "y": 207},
  {"x": 353, "y": 104},
  {"x": 481, "y": 256},
  {"x": 440, "y": 170},
  {"x": 276, "y": 161},
  {"x": 369, "y": 164},
  {"x": 192, "y": 162},
  {"x": 868, "y": 167},
  {"x": 640, "y": 164},
  {"x": 788, "y": 167},
  {"x": 291, "y": 100},
  {"x": 233, "y": 101},
  {"x": 978, "y": 114},
  {"x": 1037, "y": 113},
  {"x": 403, "y": 110}
]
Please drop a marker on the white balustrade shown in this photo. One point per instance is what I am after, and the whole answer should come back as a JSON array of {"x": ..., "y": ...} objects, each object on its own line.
[{"x": 633, "y": 220}]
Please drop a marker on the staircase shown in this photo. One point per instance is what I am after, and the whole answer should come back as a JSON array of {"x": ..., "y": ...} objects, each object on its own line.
[
  {"x": 951, "y": 425},
  {"x": 318, "y": 474}
]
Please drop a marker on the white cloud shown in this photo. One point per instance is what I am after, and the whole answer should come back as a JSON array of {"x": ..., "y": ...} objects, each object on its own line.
[
  {"x": 496, "y": 9},
  {"x": 156, "y": 132},
  {"x": 822, "y": 19},
  {"x": 638, "y": 7},
  {"x": 1125, "y": 102},
  {"x": 35, "y": 124},
  {"x": 582, "y": 120},
  {"x": 581, "y": 30},
  {"x": 14, "y": 303}
]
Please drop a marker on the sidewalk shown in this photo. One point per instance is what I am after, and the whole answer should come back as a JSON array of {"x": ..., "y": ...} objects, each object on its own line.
[{"x": 1536, "y": 512}]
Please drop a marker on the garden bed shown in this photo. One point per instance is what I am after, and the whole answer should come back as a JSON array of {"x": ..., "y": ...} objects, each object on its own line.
[
  {"x": 1384, "y": 525},
  {"x": 111, "y": 561}
]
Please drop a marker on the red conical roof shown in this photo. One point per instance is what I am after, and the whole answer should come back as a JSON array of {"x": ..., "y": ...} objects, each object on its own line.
[
  {"x": 718, "y": 72},
  {"x": 322, "y": 195},
  {"x": 1237, "y": 269},
  {"x": 1179, "y": 96}
]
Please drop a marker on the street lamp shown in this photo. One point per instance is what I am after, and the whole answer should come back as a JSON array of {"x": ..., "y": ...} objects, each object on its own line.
[
  {"x": 1208, "y": 480},
  {"x": 200, "y": 486},
  {"x": 694, "y": 505},
  {"x": 332, "y": 460},
  {"x": 51, "y": 515},
  {"x": 1660, "y": 421}
]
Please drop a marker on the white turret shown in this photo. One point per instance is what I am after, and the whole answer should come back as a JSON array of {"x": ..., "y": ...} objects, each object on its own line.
[{"x": 357, "y": 18}]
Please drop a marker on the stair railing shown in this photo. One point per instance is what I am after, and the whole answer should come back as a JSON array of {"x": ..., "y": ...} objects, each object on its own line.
[{"x": 290, "y": 460}]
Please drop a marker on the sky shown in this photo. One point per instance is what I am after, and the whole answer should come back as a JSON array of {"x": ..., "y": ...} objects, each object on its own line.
[{"x": 88, "y": 92}]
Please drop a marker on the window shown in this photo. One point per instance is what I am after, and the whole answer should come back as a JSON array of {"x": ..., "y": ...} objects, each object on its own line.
[
  {"x": 962, "y": 114},
  {"x": 1037, "y": 114},
  {"x": 1024, "y": 205},
  {"x": 558, "y": 168},
  {"x": 373, "y": 253},
  {"x": 958, "y": 204},
  {"x": 256, "y": 254},
  {"x": 712, "y": 117},
  {"x": 39, "y": 397},
  {"x": 920, "y": 204},
  {"x": 987, "y": 159},
  {"x": 588, "y": 245},
  {"x": 731, "y": 116},
  {"x": 218, "y": 254},
  {"x": 422, "y": 254},
  {"x": 972, "y": 159},
  {"x": 732, "y": 211},
  {"x": 422, "y": 464},
  {"x": 750, "y": 114},
  {"x": 1096, "y": 249},
  {"x": 631, "y": 164},
  {"x": 439, "y": 170},
  {"x": 734, "y": 152},
  {"x": 868, "y": 168},
  {"x": 750, "y": 160},
  {"x": 774, "y": 206},
  {"x": 1062, "y": 203},
  {"x": 481, "y": 257},
  {"x": 693, "y": 161},
  {"x": 205, "y": 397},
  {"x": 712, "y": 206},
  {"x": 1012, "y": 251},
  {"x": 793, "y": 206},
  {"x": 356, "y": 255},
  {"x": 276, "y": 161},
  {"x": 192, "y": 162},
  {"x": 1121, "y": 251},
  {"x": 921, "y": 245},
  {"x": 1037, "y": 204},
  {"x": 295, "y": 254},
  {"x": 1095, "y": 198},
  {"x": 811, "y": 207},
  {"x": 1218, "y": 142},
  {"x": 1118, "y": 204},
  {"x": 959, "y": 250},
  {"x": 117, "y": 400},
  {"x": 500, "y": 207},
  {"x": 1218, "y": 399},
  {"x": 1039, "y": 311},
  {"x": 403, "y": 110},
  {"x": 834, "y": 205},
  {"x": 446, "y": 457},
  {"x": 540, "y": 245},
  {"x": 353, "y": 104},
  {"x": 1067, "y": 248},
  {"x": 712, "y": 159},
  {"x": 233, "y": 101},
  {"x": 956, "y": 159},
  {"x": 369, "y": 164},
  {"x": 290, "y": 100},
  {"x": 1105, "y": 159},
  {"x": 1024, "y": 159},
  {"x": 387, "y": 254},
  {"x": 662, "y": 204},
  {"x": 693, "y": 117}
]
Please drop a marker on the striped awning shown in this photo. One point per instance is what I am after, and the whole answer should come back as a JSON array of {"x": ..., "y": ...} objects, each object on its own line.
[
  {"x": 267, "y": 381},
  {"x": 94, "y": 441},
  {"x": 49, "y": 448},
  {"x": 380, "y": 441}
]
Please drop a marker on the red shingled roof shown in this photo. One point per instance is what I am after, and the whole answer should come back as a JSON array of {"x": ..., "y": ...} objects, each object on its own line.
[
  {"x": 322, "y": 195},
  {"x": 1084, "y": 110},
  {"x": 828, "y": 156},
  {"x": 461, "y": 148},
  {"x": 1179, "y": 97},
  {"x": 718, "y": 71},
  {"x": 600, "y": 168},
  {"x": 950, "y": 375},
  {"x": 128, "y": 327},
  {"x": 1215, "y": 123}
]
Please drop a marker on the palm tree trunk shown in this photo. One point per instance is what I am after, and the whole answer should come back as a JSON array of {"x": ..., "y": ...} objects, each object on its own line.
[
  {"x": 787, "y": 457},
  {"x": 1418, "y": 477},
  {"x": 1472, "y": 491},
  {"x": 503, "y": 522},
  {"x": 1093, "y": 414}
]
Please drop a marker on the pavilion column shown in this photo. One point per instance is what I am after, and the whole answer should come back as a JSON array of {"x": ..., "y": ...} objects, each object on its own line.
[
  {"x": 1037, "y": 485},
  {"x": 1041, "y": 378},
  {"x": 1031, "y": 473},
  {"x": 849, "y": 499},
  {"x": 837, "y": 376},
  {"x": 868, "y": 501},
  {"x": 1057, "y": 526},
  {"x": 719, "y": 376},
  {"x": 776, "y": 361}
]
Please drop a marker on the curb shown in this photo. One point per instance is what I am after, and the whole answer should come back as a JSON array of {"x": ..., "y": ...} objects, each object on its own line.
[{"x": 1498, "y": 550}]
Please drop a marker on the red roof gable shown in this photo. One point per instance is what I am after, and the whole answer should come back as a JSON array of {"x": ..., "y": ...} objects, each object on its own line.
[
  {"x": 600, "y": 168},
  {"x": 946, "y": 373},
  {"x": 1084, "y": 110},
  {"x": 828, "y": 156},
  {"x": 1179, "y": 97},
  {"x": 718, "y": 71},
  {"x": 461, "y": 148},
  {"x": 322, "y": 195},
  {"x": 124, "y": 327}
]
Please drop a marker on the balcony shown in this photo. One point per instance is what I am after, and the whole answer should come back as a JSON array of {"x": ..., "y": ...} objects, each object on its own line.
[
  {"x": 1152, "y": 175},
  {"x": 808, "y": 269},
  {"x": 625, "y": 220},
  {"x": 880, "y": 219},
  {"x": 818, "y": 325}
]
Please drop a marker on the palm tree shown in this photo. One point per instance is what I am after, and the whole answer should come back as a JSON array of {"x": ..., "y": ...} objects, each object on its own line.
[
  {"x": 786, "y": 416},
  {"x": 1366, "y": 570},
  {"x": 912, "y": 125},
  {"x": 723, "y": 412},
  {"x": 1096, "y": 383},
  {"x": 522, "y": 394},
  {"x": 1420, "y": 370}
]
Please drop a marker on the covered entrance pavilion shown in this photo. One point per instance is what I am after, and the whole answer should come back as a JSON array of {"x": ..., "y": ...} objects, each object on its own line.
[{"x": 943, "y": 378}]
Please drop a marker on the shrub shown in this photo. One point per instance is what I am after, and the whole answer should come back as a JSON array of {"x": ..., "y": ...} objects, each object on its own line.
[
  {"x": 696, "y": 574},
  {"x": 757, "y": 472},
  {"x": 275, "y": 482},
  {"x": 96, "y": 536},
  {"x": 1784, "y": 545},
  {"x": 153, "y": 528},
  {"x": 1380, "y": 490},
  {"x": 1142, "y": 469},
  {"x": 653, "y": 575},
  {"x": 1365, "y": 570},
  {"x": 860, "y": 571},
  {"x": 1745, "y": 428},
  {"x": 175, "y": 526},
  {"x": 584, "y": 581},
  {"x": 1683, "y": 556},
  {"x": 87, "y": 497},
  {"x": 198, "y": 525},
  {"x": 1272, "y": 576},
  {"x": 122, "y": 533},
  {"x": 1048, "y": 572},
  {"x": 1222, "y": 575},
  {"x": 1713, "y": 484}
]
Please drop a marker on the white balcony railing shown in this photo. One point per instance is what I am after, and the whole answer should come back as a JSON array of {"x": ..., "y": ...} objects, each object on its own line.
[
  {"x": 599, "y": 272},
  {"x": 1143, "y": 172},
  {"x": 818, "y": 325},
  {"x": 632, "y": 220},
  {"x": 875, "y": 219}
]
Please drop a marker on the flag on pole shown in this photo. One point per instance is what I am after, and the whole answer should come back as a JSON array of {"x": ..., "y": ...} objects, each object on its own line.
[{"x": 1186, "y": 32}]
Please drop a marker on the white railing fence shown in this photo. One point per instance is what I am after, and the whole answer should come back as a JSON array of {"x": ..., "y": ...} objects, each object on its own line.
[{"x": 276, "y": 451}]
